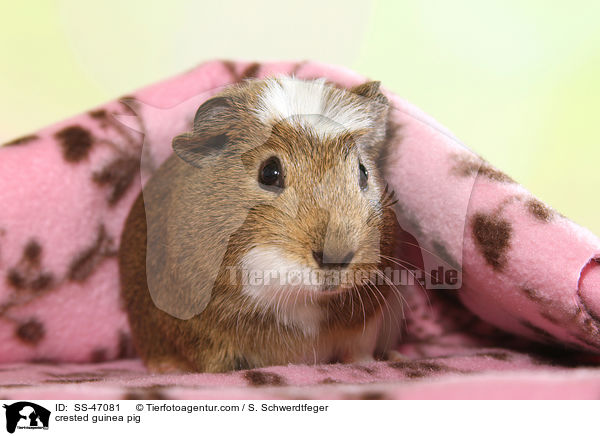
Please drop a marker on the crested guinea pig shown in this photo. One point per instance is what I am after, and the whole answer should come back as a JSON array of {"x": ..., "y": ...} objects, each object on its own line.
[{"x": 264, "y": 238}]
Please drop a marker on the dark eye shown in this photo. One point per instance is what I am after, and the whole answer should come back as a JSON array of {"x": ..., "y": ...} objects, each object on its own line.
[
  {"x": 270, "y": 175},
  {"x": 363, "y": 176}
]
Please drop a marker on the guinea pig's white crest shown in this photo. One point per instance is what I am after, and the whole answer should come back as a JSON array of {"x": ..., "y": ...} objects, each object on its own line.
[
  {"x": 273, "y": 281},
  {"x": 311, "y": 103}
]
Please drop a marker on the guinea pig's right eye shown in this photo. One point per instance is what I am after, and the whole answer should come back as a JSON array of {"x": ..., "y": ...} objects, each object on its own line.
[
  {"x": 270, "y": 175},
  {"x": 363, "y": 177}
]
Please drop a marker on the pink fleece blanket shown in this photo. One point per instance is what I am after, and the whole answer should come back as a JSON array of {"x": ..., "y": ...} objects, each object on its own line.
[{"x": 519, "y": 316}]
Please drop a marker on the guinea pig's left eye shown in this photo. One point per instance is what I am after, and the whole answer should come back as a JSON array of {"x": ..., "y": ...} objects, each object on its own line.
[
  {"x": 270, "y": 175},
  {"x": 363, "y": 176}
]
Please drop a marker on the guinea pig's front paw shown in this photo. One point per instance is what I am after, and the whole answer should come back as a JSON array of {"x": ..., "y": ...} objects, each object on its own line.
[
  {"x": 359, "y": 358},
  {"x": 168, "y": 365},
  {"x": 395, "y": 356}
]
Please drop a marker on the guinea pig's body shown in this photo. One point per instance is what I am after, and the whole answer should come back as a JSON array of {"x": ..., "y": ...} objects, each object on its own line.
[{"x": 278, "y": 176}]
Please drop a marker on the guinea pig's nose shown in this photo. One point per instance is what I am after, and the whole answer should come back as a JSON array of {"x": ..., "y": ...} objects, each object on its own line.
[{"x": 333, "y": 260}]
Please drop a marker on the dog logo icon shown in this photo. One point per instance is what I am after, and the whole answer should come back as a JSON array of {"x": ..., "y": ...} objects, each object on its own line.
[{"x": 26, "y": 415}]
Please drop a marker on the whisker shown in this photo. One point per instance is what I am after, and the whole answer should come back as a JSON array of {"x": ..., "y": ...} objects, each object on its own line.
[
  {"x": 397, "y": 292},
  {"x": 363, "y": 310},
  {"x": 285, "y": 302},
  {"x": 395, "y": 260},
  {"x": 427, "y": 251},
  {"x": 389, "y": 308},
  {"x": 387, "y": 305}
]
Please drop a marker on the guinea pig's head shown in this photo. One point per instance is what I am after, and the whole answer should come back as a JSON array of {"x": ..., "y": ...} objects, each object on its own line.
[{"x": 301, "y": 159}]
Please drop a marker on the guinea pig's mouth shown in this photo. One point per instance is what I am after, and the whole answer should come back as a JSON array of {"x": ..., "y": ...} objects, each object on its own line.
[
  {"x": 336, "y": 287},
  {"x": 333, "y": 289}
]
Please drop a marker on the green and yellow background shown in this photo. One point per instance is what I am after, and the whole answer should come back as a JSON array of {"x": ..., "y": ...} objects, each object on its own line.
[{"x": 517, "y": 81}]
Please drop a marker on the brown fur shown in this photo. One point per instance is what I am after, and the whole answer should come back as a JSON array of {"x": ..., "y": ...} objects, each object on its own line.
[{"x": 203, "y": 211}]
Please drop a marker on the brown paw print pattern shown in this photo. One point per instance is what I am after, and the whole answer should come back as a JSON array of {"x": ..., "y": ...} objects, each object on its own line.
[
  {"x": 29, "y": 279},
  {"x": 501, "y": 237},
  {"x": 21, "y": 141},
  {"x": 492, "y": 235}
]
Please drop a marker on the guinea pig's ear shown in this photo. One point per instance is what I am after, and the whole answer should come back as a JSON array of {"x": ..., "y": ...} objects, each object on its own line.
[
  {"x": 370, "y": 90},
  {"x": 377, "y": 106},
  {"x": 210, "y": 134},
  {"x": 367, "y": 89}
]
